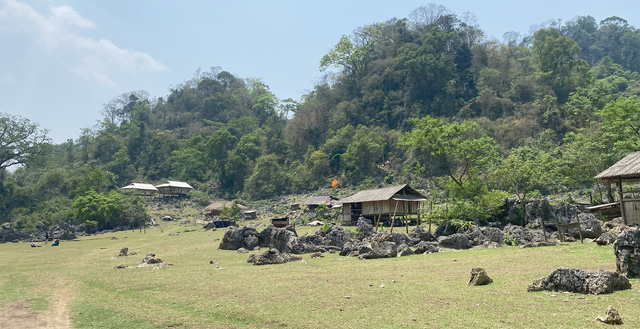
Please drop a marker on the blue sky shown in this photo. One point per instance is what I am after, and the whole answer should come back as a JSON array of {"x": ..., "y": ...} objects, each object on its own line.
[{"x": 61, "y": 61}]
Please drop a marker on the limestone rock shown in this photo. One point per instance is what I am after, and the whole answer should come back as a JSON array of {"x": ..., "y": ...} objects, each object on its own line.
[
  {"x": 612, "y": 316},
  {"x": 581, "y": 281},
  {"x": 272, "y": 256},
  {"x": 627, "y": 251},
  {"x": 479, "y": 277}
]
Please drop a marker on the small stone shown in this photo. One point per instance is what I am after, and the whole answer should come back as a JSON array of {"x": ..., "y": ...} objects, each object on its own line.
[
  {"x": 612, "y": 317},
  {"x": 382, "y": 286},
  {"x": 347, "y": 297},
  {"x": 393, "y": 281},
  {"x": 554, "y": 295},
  {"x": 313, "y": 310},
  {"x": 566, "y": 300},
  {"x": 414, "y": 319},
  {"x": 582, "y": 297}
]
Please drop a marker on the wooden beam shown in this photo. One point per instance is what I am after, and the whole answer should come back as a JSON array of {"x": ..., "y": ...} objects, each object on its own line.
[{"x": 620, "y": 196}]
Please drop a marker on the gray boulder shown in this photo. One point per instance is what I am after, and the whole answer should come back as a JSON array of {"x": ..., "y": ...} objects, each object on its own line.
[
  {"x": 581, "y": 281},
  {"x": 454, "y": 241},
  {"x": 272, "y": 256},
  {"x": 382, "y": 246},
  {"x": 404, "y": 250},
  {"x": 590, "y": 225},
  {"x": 627, "y": 251},
  {"x": 419, "y": 234},
  {"x": 364, "y": 228},
  {"x": 241, "y": 237},
  {"x": 606, "y": 238},
  {"x": 479, "y": 277},
  {"x": 426, "y": 247},
  {"x": 445, "y": 229}
]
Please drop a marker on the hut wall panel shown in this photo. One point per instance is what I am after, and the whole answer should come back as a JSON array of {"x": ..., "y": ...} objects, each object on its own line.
[{"x": 632, "y": 212}]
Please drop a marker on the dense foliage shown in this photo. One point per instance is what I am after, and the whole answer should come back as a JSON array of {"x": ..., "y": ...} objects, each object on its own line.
[{"x": 425, "y": 100}]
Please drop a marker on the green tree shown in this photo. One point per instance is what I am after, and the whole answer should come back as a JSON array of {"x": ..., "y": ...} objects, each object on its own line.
[
  {"x": 268, "y": 178},
  {"x": 20, "y": 141},
  {"x": 363, "y": 155},
  {"x": 524, "y": 170},
  {"x": 621, "y": 123},
  {"x": 462, "y": 148},
  {"x": 96, "y": 207}
]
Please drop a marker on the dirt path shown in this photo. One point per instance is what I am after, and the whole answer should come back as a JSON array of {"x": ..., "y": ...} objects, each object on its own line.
[{"x": 17, "y": 314}]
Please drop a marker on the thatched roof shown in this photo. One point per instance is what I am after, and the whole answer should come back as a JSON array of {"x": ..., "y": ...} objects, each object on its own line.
[
  {"x": 386, "y": 193},
  {"x": 140, "y": 186},
  {"x": 215, "y": 207},
  {"x": 626, "y": 169}
]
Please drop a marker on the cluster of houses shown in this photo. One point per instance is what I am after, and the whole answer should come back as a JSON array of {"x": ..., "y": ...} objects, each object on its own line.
[
  {"x": 168, "y": 189},
  {"x": 401, "y": 203}
]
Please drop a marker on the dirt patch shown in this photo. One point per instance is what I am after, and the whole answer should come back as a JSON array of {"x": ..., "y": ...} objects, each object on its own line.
[{"x": 17, "y": 314}]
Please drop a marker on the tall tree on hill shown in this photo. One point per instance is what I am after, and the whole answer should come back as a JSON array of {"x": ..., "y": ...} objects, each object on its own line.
[{"x": 20, "y": 141}]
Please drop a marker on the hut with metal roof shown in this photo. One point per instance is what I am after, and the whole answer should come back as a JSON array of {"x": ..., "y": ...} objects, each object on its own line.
[
  {"x": 141, "y": 188},
  {"x": 383, "y": 204},
  {"x": 173, "y": 189},
  {"x": 624, "y": 171}
]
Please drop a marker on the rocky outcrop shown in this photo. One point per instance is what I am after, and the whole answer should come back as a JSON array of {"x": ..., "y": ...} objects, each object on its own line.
[
  {"x": 272, "y": 256},
  {"x": 382, "y": 246},
  {"x": 454, "y": 241},
  {"x": 242, "y": 237},
  {"x": 627, "y": 251},
  {"x": 419, "y": 234},
  {"x": 581, "y": 281}
]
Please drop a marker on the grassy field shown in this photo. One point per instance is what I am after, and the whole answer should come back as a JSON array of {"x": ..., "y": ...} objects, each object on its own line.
[{"x": 332, "y": 292}]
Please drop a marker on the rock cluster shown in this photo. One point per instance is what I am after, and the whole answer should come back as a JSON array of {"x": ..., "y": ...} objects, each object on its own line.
[
  {"x": 272, "y": 256},
  {"x": 581, "y": 281}
]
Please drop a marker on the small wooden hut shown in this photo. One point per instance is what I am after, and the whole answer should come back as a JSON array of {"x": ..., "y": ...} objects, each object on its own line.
[
  {"x": 383, "y": 204},
  {"x": 143, "y": 189},
  {"x": 215, "y": 207},
  {"x": 173, "y": 189},
  {"x": 625, "y": 171}
]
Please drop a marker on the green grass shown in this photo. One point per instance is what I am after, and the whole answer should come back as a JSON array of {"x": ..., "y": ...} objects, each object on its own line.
[{"x": 331, "y": 292}]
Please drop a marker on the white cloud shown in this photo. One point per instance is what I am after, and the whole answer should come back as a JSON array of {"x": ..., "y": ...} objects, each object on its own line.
[{"x": 98, "y": 60}]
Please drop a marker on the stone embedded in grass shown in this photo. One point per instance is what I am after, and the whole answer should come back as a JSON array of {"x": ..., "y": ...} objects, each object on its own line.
[
  {"x": 124, "y": 251},
  {"x": 479, "y": 277},
  {"x": 612, "y": 316},
  {"x": 121, "y": 266},
  {"x": 151, "y": 259},
  {"x": 581, "y": 281}
]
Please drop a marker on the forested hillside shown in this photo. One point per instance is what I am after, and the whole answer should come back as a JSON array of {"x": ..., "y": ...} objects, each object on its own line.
[{"x": 425, "y": 100}]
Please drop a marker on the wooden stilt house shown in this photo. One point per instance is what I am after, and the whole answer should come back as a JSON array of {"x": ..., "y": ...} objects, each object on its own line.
[
  {"x": 383, "y": 204},
  {"x": 624, "y": 171}
]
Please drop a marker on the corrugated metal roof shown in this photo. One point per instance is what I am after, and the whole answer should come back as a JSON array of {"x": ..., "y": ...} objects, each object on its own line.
[
  {"x": 140, "y": 186},
  {"x": 318, "y": 199},
  {"x": 628, "y": 167},
  {"x": 171, "y": 183},
  {"x": 380, "y": 194}
]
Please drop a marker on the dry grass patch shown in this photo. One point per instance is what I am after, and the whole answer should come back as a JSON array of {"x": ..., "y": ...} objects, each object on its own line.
[{"x": 331, "y": 292}]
